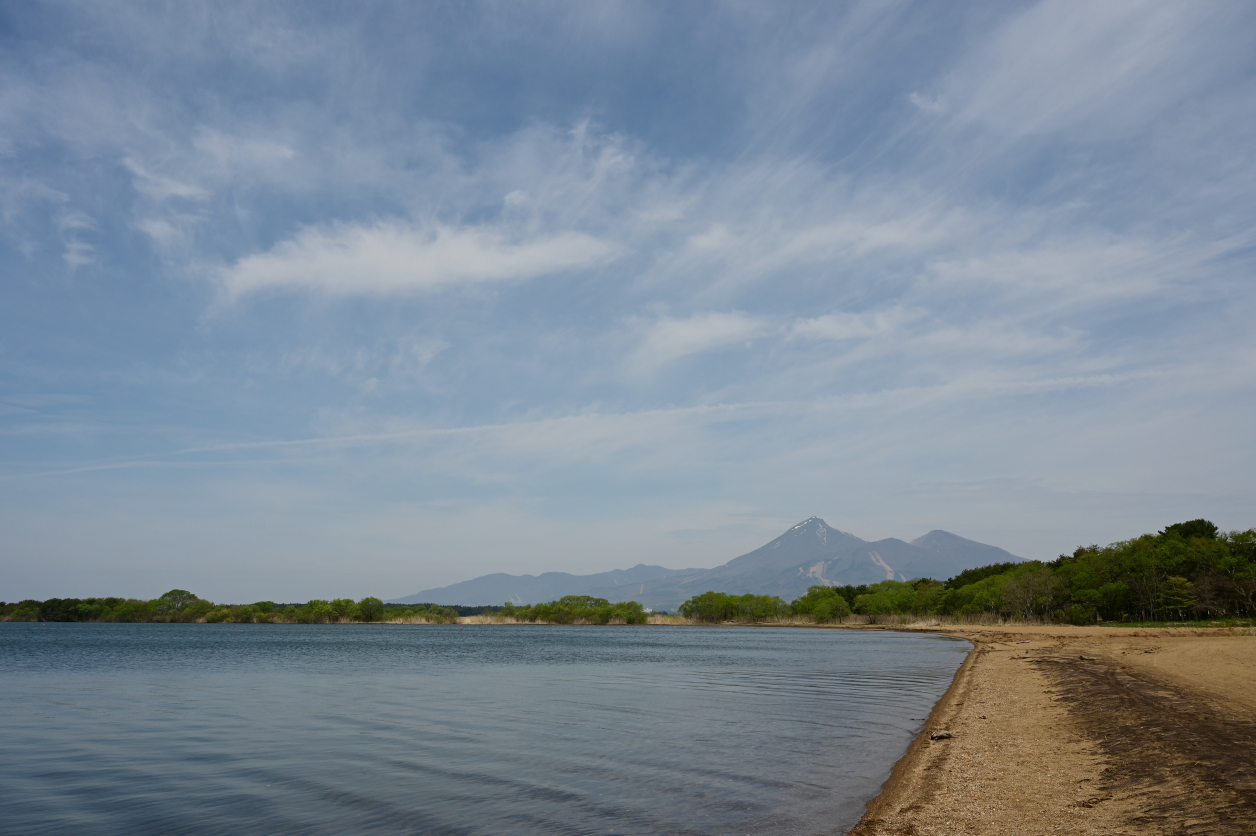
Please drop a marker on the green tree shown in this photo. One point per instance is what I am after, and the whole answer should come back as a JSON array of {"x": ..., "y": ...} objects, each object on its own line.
[
  {"x": 319, "y": 611},
  {"x": 713, "y": 607},
  {"x": 1194, "y": 529},
  {"x": 577, "y": 609},
  {"x": 178, "y": 605},
  {"x": 1176, "y": 597},
  {"x": 889, "y": 597},
  {"x": 834, "y": 608},
  {"x": 823, "y": 603},
  {"x": 176, "y": 599},
  {"x": 970, "y": 576},
  {"x": 1031, "y": 591},
  {"x": 370, "y": 609}
]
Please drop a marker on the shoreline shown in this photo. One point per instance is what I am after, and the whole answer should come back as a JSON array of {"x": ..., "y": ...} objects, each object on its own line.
[{"x": 1094, "y": 730}]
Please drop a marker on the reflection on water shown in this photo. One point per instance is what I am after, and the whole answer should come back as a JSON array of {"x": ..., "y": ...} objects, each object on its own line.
[{"x": 112, "y": 728}]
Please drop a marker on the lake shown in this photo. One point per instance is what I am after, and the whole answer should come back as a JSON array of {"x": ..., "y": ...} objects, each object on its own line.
[{"x": 483, "y": 729}]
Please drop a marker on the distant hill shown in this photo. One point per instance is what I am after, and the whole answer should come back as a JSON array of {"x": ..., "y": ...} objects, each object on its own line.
[
  {"x": 948, "y": 545},
  {"x": 808, "y": 554},
  {"x": 529, "y": 589}
]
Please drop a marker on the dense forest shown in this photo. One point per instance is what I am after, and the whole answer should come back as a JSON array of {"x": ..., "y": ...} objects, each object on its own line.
[
  {"x": 1188, "y": 571},
  {"x": 179, "y": 605}
]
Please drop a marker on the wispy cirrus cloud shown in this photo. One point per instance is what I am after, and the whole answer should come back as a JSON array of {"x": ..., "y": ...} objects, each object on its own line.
[
  {"x": 850, "y": 326},
  {"x": 78, "y": 252},
  {"x": 160, "y": 187},
  {"x": 392, "y": 256},
  {"x": 669, "y": 339},
  {"x": 1094, "y": 69}
]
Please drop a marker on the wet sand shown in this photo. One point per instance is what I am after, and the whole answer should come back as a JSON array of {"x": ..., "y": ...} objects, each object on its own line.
[{"x": 1085, "y": 730}]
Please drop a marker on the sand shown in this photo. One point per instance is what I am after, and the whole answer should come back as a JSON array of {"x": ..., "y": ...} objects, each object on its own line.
[{"x": 1084, "y": 730}]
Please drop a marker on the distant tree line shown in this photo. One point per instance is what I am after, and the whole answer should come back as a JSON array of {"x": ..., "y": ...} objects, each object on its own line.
[
  {"x": 1187, "y": 571},
  {"x": 717, "y": 606},
  {"x": 578, "y": 609},
  {"x": 179, "y": 605},
  {"x": 457, "y": 609}
]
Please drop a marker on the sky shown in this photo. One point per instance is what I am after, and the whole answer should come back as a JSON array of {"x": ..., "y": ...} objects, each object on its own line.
[{"x": 319, "y": 300}]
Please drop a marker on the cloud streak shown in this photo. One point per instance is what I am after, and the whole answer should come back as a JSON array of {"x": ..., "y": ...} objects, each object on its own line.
[
  {"x": 391, "y": 257},
  {"x": 669, "y": 339},
  {"x": 848, "y": 326}
]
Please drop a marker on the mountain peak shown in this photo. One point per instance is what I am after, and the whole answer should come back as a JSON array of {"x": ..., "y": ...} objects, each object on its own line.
[
  {"x": 945, "y": 543},
  {"x": 812, "y": 526},
  {"x": 820, "y": 528},
  {"x": 939, "y": 539}
]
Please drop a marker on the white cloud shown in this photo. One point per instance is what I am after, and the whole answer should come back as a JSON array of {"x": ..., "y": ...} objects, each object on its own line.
[
  {"x": 1094, "y": 68},
  {"x": 1074, "y": 271},
  {"x": 16, "y": 196},
  {"x": 849, "y": 326},
  {"x": 670, "y": 339},
  {"x": 992, "y": 341},
  {"x": 237, "y": 152},
  {"x": 793, "y": 221},
  {"x": 77, "y": 252},
  {"x": 927, "y": 103},
  {"x": 715, "y": 238},
  {"x": 170, "y": 235},
  {"x": 391, "y": 256},
  {"x": 403, "y": 360},
  {"x": 158, "y": 186}
]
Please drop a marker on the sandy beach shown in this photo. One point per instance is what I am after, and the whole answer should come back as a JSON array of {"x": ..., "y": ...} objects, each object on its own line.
[{"x": 1085, "y": 730}]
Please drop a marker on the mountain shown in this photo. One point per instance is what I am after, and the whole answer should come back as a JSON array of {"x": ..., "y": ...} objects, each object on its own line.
[
  {"x": 814, "y": 553},
  {"x": 809, "y": 542},
  {"x": 948, "y": 545},
  {"x": 809, "y": 554},
  {"x": 527, "y": 589}
]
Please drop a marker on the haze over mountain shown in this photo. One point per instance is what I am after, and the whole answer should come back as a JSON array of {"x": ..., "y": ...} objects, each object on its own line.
[
  {"x": 810, "y": 553},
  {"x": 548, "y": 586}
]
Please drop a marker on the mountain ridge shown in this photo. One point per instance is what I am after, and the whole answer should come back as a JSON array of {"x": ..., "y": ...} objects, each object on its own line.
[
  {"x": 499, "y": 587},
  {"x": 807, "y": 554}
]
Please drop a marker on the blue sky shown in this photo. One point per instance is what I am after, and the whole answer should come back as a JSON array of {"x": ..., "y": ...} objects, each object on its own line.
[{"x": 303, "y": 300}]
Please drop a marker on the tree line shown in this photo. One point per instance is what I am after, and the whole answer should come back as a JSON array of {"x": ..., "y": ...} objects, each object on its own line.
[
  {"x": 181, "y": 606},
  {"x": 1186, "y": 571},
  {"x": 577, "y": 609}
]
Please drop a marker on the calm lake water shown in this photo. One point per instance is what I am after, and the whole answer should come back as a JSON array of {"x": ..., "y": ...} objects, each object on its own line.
[{"x": 207, "y": 728}]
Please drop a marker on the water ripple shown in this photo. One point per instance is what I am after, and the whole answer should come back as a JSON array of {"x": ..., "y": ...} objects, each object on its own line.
[{"x": 382, "y": 729}]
